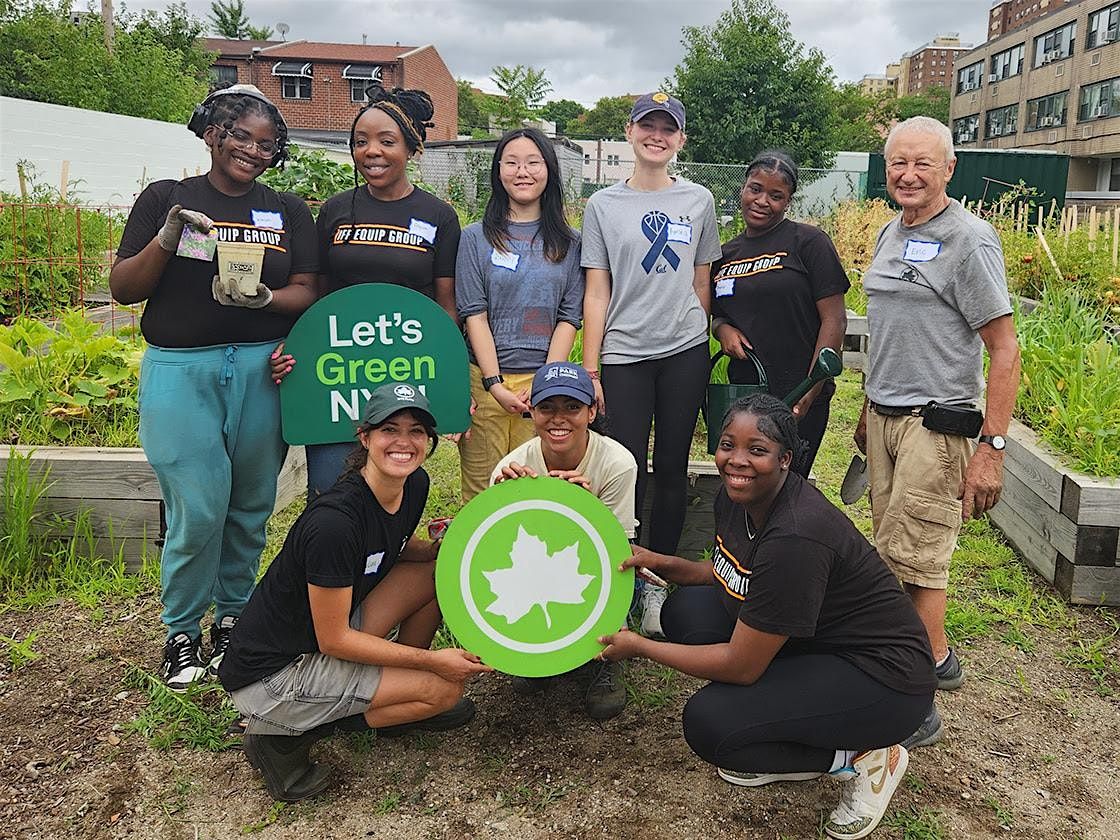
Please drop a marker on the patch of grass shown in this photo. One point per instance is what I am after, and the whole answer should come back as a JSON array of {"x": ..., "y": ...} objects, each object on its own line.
[
  {"x": 1097, "y": 657},
  {"x": 535, "y": 797},
  {"x": 387, "y": 804},
  {"x": 199, "y": 718},
  {"x": 270, "y": 818},
  {"x": 20, "y": 653},
  {"x": 1003, "y": 815},
  {"x": 913, "y": 824},
  {"x": 651, "y": 686}
]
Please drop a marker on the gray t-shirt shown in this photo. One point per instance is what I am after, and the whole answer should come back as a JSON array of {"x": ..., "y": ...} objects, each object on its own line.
[
  {"x": 523, "y": 294},
  {"x": 651, "y": 242},
  {"x": 929, "y": 289}
]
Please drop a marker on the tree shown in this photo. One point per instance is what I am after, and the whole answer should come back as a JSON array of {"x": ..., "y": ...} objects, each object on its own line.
[
  {"x": 150, "y": 73},
  {"x": 228, "y": 18},
  {"x": 859, "y": 123},
  {"x": 749, "y": 85},
  {"x": 470, "y": 114},
  {"x": 258, "y": 33},
  {"x": 931, "y": 102},
  {"x": 606, "y": 121},
  {"x": 562, "y": 112},
  {"x": 523, "y": 88}
]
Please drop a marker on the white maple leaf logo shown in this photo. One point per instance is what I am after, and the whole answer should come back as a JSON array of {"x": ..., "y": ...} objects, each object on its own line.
[{"x": 536, "y": 578}]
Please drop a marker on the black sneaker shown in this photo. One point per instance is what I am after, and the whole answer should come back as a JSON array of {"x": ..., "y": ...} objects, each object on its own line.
[
  {"x": 928, "y": 734},
  {"x": 182, "y": 662},
  {"x": 219, "y": 643},
  {"x": 458, "y": 715},
  {"x": 527, "y": 686},
  {"x": 285, "y": 763},
  {"x": 950, "y": 674},
  {"x": 606, "y": 696}
]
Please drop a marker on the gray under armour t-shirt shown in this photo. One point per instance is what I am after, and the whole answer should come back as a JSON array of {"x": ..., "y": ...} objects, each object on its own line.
[
  {"x": 651, "y": 242},
  {"x": 929, "y": 289}
]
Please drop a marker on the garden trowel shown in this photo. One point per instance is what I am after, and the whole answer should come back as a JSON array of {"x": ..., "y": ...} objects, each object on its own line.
[{"x": 855, "y": 480}]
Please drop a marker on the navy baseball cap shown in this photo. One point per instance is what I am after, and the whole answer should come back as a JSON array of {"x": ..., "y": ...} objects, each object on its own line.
[
  {"x": 389, "y": 399},
  {"x": 659, "y": 102},
  {"x": 562, "y": 379}
]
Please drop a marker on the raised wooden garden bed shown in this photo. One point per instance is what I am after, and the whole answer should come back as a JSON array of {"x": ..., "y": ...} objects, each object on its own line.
[
  {"x": 121, "y": 493},
  {"x": 1064, "y": 523}
]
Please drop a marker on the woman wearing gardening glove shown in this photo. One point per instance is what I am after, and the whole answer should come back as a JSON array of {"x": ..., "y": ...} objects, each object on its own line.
[
  {"x": 779, "y": 291},
  {"x": 209, "y": 414}
]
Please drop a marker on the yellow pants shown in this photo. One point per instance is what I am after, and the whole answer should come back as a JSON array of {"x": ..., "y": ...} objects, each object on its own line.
[{"x": 494, "y": 433}]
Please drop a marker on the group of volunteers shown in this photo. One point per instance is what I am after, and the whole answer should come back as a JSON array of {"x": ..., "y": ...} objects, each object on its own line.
[{"x": 818, "y": 662}]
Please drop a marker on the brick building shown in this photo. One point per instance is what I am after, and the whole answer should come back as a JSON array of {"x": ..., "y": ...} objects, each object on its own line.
[
  {"x": 1053, "y": 84},
  {"x": 1006, "y": 15},
  {"x": 319, "y": 87},
  {"x": 930, "y": 65}
]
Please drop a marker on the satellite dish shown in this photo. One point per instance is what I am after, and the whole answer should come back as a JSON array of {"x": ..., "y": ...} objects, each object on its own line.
[{"x": 283, "y": 29}]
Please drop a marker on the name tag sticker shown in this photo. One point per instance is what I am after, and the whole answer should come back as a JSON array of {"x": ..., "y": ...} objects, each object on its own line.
[
  {"x": 373, "y": 562},
  {"x": 680, "y": 233},
  {"x": 424, "y": 230},
  {"x": 504, "y": 260},
  {"x": 920, "y": 251},
  {"x": 725, "y": 286},
  {"x": 267, "y": 219}
]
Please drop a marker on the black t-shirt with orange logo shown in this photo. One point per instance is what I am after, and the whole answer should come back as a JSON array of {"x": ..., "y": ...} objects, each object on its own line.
[
  {"x": 768, "y": 287},
  {"x": 810, "y": 575},
  {"x": 182, "y": 312},
  {"x": 408, "y": 242}
]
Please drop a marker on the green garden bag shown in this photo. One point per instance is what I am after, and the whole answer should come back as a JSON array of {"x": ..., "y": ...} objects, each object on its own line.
[{"x": 721, "y": 395}]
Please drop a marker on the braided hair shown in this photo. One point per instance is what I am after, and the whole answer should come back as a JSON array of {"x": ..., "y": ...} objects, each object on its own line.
[
  {"x": 774, "y": 162},
  {"x": 411, "y": 110},
  {"x": 227, "y": 110},
  {"x": 775, "y": 420}
]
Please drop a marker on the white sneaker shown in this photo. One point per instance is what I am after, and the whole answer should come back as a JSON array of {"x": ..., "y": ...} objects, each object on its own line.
[
  {"x": 865, "y": 798},
  {"x": 759, "y": 779},
  {"x": 653, "y": 599}
]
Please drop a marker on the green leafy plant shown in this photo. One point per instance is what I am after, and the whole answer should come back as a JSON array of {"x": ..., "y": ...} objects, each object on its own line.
[
  {"x": 71, "y": 383},
  {"x": 52, "y": 250},
  {"x": 200, "y": 717},
  {"x": 1070, "y": 390},
  {"x": 310, "y": 174},
  {"x": 20, "y": 653}
]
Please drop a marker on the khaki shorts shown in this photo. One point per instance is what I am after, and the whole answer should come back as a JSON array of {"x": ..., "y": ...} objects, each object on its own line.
[
  {"x": 915, "y": 477},
  {"x": 310, "y": 690}
]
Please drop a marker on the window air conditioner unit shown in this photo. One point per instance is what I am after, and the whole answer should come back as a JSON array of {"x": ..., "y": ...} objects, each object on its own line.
[
  {"x": 1055, "y": 55},
  {"x": 992, "y": 77},
  {"x": 1101, "y": 111}
]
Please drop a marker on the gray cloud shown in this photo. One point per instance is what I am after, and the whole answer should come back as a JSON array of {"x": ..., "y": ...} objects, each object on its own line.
[{"x": 594, "y": 48}]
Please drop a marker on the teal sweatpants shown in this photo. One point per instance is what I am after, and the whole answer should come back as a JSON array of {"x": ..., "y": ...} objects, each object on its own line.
[{"x": 210, "y": 426}]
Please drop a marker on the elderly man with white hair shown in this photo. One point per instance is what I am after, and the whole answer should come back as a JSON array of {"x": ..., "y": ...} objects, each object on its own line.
[{"x": 937, "y": 296}]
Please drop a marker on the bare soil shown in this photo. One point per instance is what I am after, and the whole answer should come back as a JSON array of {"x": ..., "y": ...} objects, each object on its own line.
[{"x": 1031, "y": 751}]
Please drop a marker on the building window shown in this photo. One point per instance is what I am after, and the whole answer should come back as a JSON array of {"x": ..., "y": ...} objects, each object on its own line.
[
  {"x": 222, "y": 75},
  {"x": 360, "y": 77},
  {"x": 966, "y": 128},
  {"x": 1055, "y": 44},
  {"x": 1099, "y": 100},
  {"x": 1046, "y": 111},
  {"x": 1007, "y": 63},
  {"x": 1000, "y": 122},
  {"x": 1114, "y": 176},
  {"x": 295, "y": 79},
  {"x": 613, "y": 160},
  {"x": 1104, "y": 27},
  {"x": 968, "y": 78}
]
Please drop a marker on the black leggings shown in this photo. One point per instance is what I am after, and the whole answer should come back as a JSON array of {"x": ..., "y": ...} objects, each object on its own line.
[
  {"x": 668, "y": 393},
  {"x": 798, "y": 713}
]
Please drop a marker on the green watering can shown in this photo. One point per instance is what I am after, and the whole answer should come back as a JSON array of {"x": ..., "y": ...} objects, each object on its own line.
[{"x": 721, "y": 396}]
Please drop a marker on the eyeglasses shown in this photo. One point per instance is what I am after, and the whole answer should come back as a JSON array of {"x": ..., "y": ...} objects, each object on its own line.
[
  {"x": 245, "y": 142},
  {"x": 534, "y": 165}
]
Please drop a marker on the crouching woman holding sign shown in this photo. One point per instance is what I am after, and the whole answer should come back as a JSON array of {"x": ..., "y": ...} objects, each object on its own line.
[
  {"x": 817, "y": 660},
  {"x": 309, "y": 656}
]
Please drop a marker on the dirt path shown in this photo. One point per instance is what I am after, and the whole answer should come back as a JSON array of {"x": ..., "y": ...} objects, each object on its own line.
[{"x": 1031, "y": 753}]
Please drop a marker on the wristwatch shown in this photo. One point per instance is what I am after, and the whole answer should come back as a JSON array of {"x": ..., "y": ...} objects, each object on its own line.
[
  {"x": 995, "y": 441},
  {"x": 489, "y": 382}
]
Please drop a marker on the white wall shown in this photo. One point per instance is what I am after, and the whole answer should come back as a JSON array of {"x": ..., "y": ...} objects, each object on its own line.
[{"x": 109, "y": 154}]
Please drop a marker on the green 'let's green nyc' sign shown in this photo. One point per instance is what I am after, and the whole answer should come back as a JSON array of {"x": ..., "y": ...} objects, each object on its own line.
[{"x": 359, "y": 338}]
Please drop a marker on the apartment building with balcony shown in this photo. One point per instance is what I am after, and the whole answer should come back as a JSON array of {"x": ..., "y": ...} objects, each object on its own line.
[{"x": 1052, "y": 84}]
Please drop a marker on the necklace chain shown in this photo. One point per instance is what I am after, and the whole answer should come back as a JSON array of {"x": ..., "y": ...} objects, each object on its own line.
[{"x": 751, "y": 533}]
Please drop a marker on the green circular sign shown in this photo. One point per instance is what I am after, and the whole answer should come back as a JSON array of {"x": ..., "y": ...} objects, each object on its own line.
[{"x": 527, "y": 576}]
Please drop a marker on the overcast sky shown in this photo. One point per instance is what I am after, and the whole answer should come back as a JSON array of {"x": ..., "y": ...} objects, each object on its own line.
[{"x": 594, "y": 48}]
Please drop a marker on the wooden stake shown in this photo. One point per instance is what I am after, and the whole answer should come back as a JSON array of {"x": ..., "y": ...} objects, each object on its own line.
[
  {"x": 1040, "y": 214},
  {"x": 65, "y": 180},
  {"x": 1093, "y": 228},
  {"x": 1115, "y": 236},
  {"x": 22, "y": 183},
  {"x": 1046, "y": 247}
]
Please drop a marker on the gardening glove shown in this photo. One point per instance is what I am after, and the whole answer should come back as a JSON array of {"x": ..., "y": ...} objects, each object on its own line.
[
  {"x": 172, "y": 229},
  {"x": 228, "y": 295}
]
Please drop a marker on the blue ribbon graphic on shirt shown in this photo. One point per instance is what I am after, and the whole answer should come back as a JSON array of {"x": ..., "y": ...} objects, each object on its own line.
[{"x": 655, "y": 228}]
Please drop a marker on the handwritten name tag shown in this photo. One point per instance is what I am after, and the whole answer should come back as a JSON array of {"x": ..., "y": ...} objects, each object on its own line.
[
  {"x": 680, "y": 233},
  {"x": 919, "y": 251},
  {"x": 425, "y": 230},
  {"x": 503, "y": 259}
]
